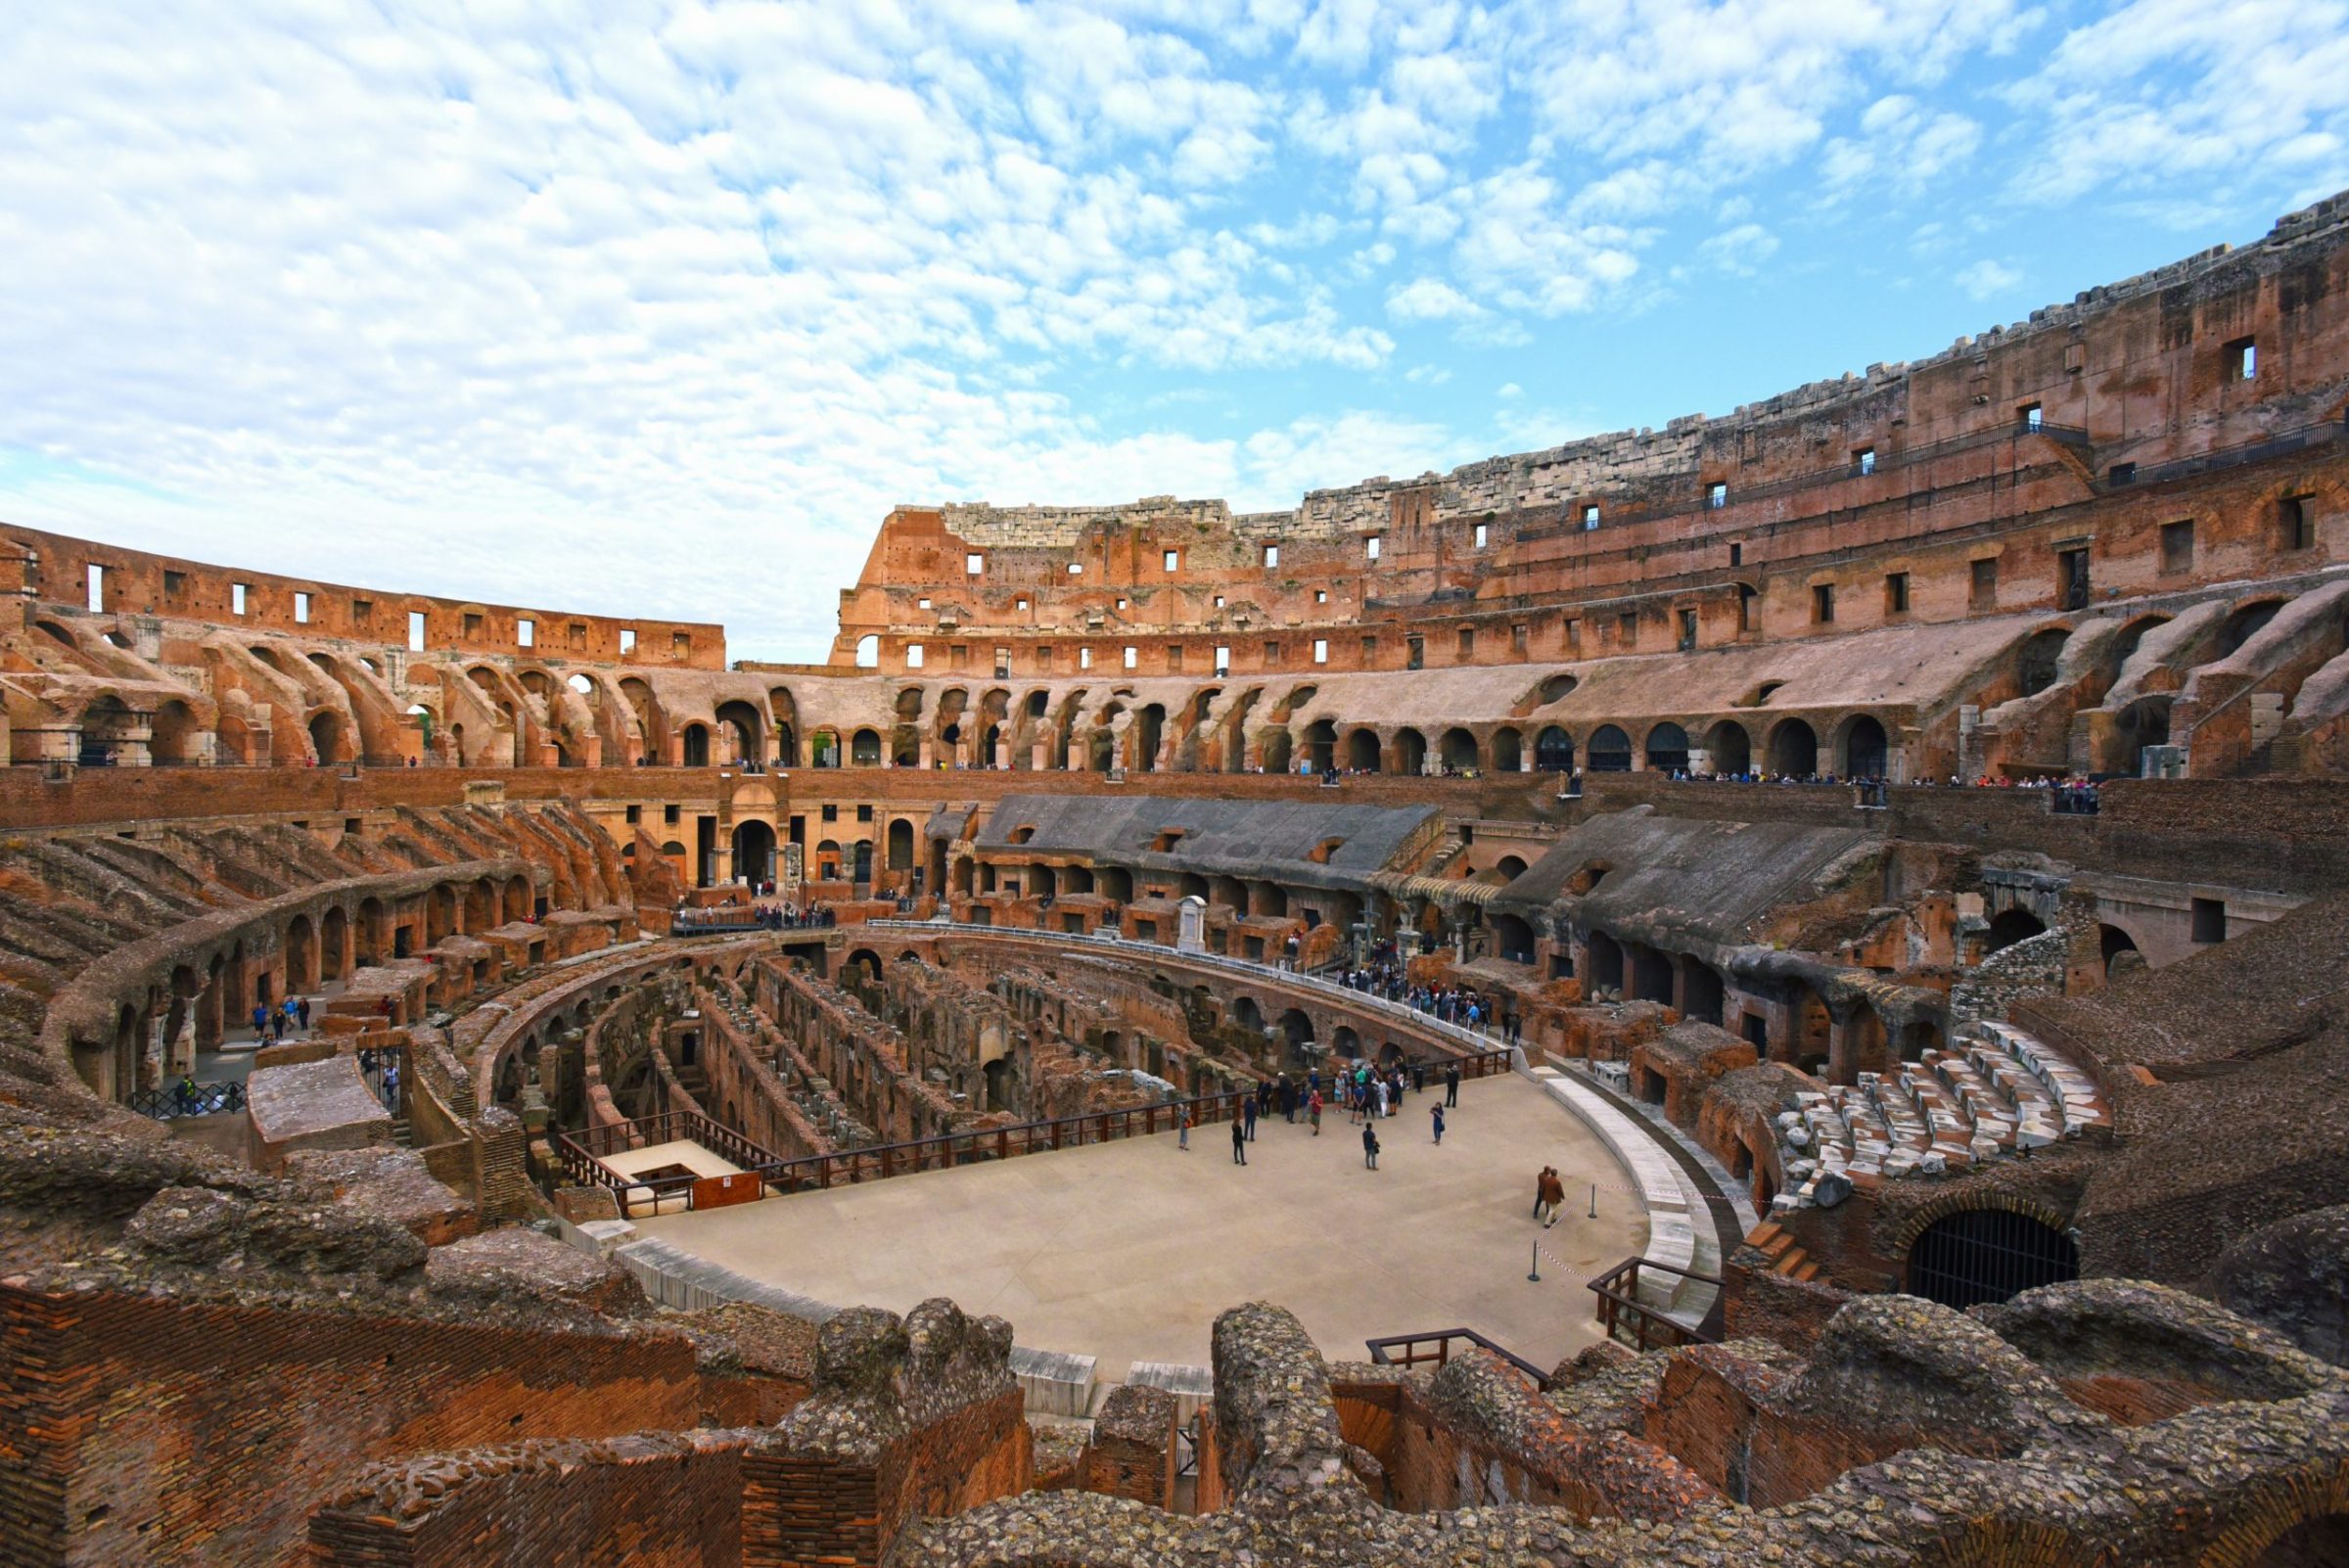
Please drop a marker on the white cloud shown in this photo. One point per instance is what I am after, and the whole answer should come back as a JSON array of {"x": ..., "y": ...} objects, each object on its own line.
[
  {"x": 1740, "y": 250},
  {"x": 1430, "y": 300},
  {"x": 1986, "y": 279}
]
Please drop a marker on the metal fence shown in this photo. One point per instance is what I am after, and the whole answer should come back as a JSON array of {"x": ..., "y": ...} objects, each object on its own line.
[{"x": 186, "y": 1099}]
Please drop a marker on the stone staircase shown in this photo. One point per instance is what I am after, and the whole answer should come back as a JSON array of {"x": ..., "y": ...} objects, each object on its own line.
[
  {"x": 1997, "y": 1092},
  {"x": 1784, "y": 1253}
]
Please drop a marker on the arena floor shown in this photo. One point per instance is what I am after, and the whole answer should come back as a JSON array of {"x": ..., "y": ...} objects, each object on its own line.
[{"x": 1127, "y": 1251}]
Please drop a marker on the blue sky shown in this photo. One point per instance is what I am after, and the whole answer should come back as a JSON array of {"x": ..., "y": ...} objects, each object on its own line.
[{"x": 656, "y": 308}]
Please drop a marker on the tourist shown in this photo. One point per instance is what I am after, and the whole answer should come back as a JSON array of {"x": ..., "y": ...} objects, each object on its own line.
[
  {"x": 1451, "y": 1085},
  {"x": 1248, "y": 1117},
  {"x": 1541, "y": 1191},
  {"x": 1380, "y": 1091},
  {"x": 305, "y": 1015},
  {"x": 261, "y": 1019},
  {"x": 1288, "y": 1100},
  {"x": 1312, "y": 1111},
  {"x": 1370, "y": 1148},
  {"x": 292, "y": 1015},
  {"x": 1239, "y": 1143},
  {"x": 1182, "y": 1138},
  {"x": 185, "y": 1094},
  {"x": 1436, "y": 1111},
  {"x": 1553, "y": 1193}
]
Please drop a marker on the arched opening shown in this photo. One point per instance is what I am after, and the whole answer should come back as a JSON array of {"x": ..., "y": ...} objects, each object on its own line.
[
  {"x": 868, "y": 652},
  {"x": 1795, "y": 749},
  {"x": 1668, "y": 748},
  {"x": 1554, "y": 751},
  {"x": 697, "y": 746},
  {"x": 864, "y": 747},
  {"x": 1116, "y": 883},
  {"x": 2142, "y": 725},
  {"x": 2036, "y": 661},
  {"x": 1297, "y": 1030},
  {"x": 1610, "y": 751},
  {"x": 1917, "y": 1036},
  {"x": 746, "y": 730},
  {"x": 2010, "y": 926},
  {"x": 1701, "y": 990},
  {"x": 2318, "y": 1543},
  {"x": 1101, "y": 751},
  {"x": 1508, "y": 751},
  {"x": 1246, "y": 1015},
  {"x": 1728, "y": 747},
  {"x": 1507, "y": 869},
  {"x": 864, "y": 863},
  {"x": 2119, "y": 950},
  {"x": 1345, "y": 1044},
  {"x": 1321, "y": 744},
  {"x": 2245, "y": 623},
  {"x": 1149, "y": 733},
  {"x": 901, "y": 845},
  {"x": 1459, "y": 750},
  {"x": 172, "y": 742},
  {"x": 1276, "y": 751},
  {"x": 326, "y": 737},
  {"x": 754, "y": 847},
  {"x": 1410, "y": 753},
  {"x": 302, "y": 955},
  {"x": 1863, "y": 752},
  {"x": 1987, "y": 1255},
  {"x": 1513, "y": 938},
  {"x": 1556, "y": 687},
  {"x": 1606, "y": 963},
  {"x": 1361, "y": 751},
  {"x": 334, "y": 935}
]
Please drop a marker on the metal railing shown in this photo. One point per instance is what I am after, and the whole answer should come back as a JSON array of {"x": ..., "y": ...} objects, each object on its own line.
[
  {"x": 1619, "y": 1306},
  {"x": 183, "y": 1100},
  {"x": 1435, "y": 1348}
]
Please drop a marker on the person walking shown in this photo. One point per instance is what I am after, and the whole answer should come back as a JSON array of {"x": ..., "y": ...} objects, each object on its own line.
[
  {"x": 305, "y": 1015},
  {"x": 1312, "y": 1111},
  {"x": 1248, "y": 1119},
  {"x": 1183, "y": 1138},
  {"x": 261, "y": 1019},
  {"x": 1436, "y": 1111},
  {"x": 1541, "y": 1191},
  {"x": 1553, "y": 1193},
  {"x": 1369, "y": 1147},
  {"x": 1451, "y": 1085},
  {"x": 1239, "y": 1143}
]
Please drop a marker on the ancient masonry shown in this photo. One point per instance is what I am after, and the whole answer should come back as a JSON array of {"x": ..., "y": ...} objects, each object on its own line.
[{"x": 1902, "y": 821}]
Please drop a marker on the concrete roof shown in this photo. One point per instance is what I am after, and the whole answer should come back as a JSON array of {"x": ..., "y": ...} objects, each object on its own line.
[
  {"x": 1246, "y": 836},
  {"x": 1704, "y": 878}
]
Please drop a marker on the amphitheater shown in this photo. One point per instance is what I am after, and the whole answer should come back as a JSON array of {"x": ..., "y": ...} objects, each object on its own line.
[{"x": 1893, "y": 838}]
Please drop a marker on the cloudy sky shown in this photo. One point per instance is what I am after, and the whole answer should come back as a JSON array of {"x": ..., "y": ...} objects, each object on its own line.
[{"x": 656, "y": 308}]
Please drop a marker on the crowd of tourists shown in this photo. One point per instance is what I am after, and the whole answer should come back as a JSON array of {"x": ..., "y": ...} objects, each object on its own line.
[
  {"x": 686, "y": 921},
  {"x": 1367, "y": 1094}
]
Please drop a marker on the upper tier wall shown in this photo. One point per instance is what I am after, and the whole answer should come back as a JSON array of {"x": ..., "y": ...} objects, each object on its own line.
[
  {"x": 57, "y": 570},
  {"x": 2051, "y": 413}
]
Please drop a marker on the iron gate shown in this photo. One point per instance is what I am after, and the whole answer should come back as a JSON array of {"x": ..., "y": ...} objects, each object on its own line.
[{"x": 1987, "y": 1255}]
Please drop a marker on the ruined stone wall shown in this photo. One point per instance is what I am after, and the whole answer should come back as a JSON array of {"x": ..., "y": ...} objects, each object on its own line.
[
  {"x": 169, "y": 1431},
  {"x": 658, "y": 1500}
]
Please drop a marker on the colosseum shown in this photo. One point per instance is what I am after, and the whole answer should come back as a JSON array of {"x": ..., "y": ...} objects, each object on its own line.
[{"x": 1862, "y": 882}]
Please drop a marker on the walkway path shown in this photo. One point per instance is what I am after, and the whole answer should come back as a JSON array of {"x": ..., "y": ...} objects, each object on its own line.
[{"x": 1127, "y": 1251}]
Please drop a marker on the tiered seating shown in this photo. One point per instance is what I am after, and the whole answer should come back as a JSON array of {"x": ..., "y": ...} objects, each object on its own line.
[{"x": 1999, "y": 1093}]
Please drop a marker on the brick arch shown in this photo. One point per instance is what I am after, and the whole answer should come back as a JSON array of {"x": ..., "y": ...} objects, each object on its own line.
[{"x": 1941, "y": 1208}]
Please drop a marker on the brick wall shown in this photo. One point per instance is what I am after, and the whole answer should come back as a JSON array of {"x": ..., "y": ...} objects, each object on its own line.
[
  {"x": 138, "y": 1431},
  {"x": 650, "y": 1500}
]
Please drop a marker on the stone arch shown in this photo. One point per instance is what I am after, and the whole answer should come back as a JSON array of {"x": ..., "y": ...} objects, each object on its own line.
[
  {"x": 1728, "y": 747},
  {"x": 749, "y": 731},
  {"x": 2246, "y": 622},
  {"x": 334, "y": 935},
  {"x": 1793, "y": 749},
  {"x": 2118, "y": 948},
  {"x": 2010, "y": 926},
  {"x": 1247, "y": 1015},
  {"x": 1276, "y": 751},
  {"x": 326, "y": 727},
  {"x": 1512, "y": 937},
  {"x": 1553, "y": 750},
  {"x": 1861, "y": 748},
  {"x": 1321, "y": 744},
  {"x": 1460, "y": 749},
  {"x": 1609, "y": 749},
  {"x": 1667, "y": 747},
  {"x": 2037, "y": 660},
  {"x": 2141, "y": 725},
  {"x": 864, "y": 747},
  {"x": 697, "y": 745},
  {"x": 1508, "y": 750},
  {"x": 174, "y": 735},
  {"x": 301, "y": 954},
  {"x": 1410, "y": 752},
  {"x": 753, "y": 851},
  {"x": 901, "y": 845},
  {"x": 1985, "y": 1250},
  {"x": 1361, "y": 750}
]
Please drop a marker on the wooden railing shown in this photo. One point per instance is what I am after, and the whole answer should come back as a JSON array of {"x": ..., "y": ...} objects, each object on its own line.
[
  {"x": 1435, "y": 1348},
  {"x": 1619, "y": 1306}
]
